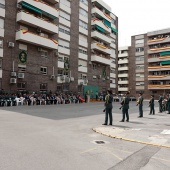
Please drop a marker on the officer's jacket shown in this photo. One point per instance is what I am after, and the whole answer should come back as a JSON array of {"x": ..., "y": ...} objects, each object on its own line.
[
  {"x": 125, "y": 102},
  {"x": 151, "y": 102}
]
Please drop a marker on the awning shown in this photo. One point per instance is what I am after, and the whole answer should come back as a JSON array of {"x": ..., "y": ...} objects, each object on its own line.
[
  {"x": 114, "y": 30},
  {"x": 102, "y": 7},
  {"x": 164, "y": 53},
  {"x": 26, "y": 5},
  {"x": 165, "y": 62},
  {"x": 106, "y": 22},
  {"x": 100, "y": 29},
  {"x": 37, "y": 10}
]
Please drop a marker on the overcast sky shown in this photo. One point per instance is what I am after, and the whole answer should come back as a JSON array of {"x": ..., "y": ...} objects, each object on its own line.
[{"x": 139, "y": 16}]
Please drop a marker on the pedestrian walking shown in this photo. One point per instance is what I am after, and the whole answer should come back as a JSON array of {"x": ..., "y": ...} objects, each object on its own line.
[
  {"x": 140, "y": 104},
  {"x": 108, "y": 107},
  {"x": 160, "y": 103},
  {"x": 151, "y": 105},
  {"x": 125, "y": 107}
]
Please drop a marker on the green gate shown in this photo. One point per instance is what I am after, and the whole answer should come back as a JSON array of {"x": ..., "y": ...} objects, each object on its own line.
[{"x": 91, "y": 90}]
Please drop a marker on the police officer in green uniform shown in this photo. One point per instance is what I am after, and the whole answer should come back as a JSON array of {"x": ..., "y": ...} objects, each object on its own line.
[
  {"x": 168, "y": 104},
  {"x": 140, "y": 104},
  {"x": 151, "y": 105},
  {"x": 125, "y": 107},
  {"x": 160, "y": 103}
]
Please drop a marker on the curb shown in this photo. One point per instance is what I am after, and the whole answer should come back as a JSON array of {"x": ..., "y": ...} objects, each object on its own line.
[{"x": 131, "y": 140}]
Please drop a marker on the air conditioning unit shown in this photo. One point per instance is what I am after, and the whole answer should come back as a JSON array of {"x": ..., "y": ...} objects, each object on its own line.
[
  {"x": 85, "y": 81},
  {"x": 108, "y": 77},
  {"x": 13, "y": 80},
  {"x": 19, "y": 6},
  {"x": 11, "y": 44},
  {"x": 20, "y": 75},
  {"x": 62, "y": 78},
  {"x": 90, "y": 62},
  {"x": 13, "y": 74},
  {"x": 81, "y": 83},
  {"x": 72, "y": 79},
  {"x": 40, "y": 49},
  {"x": 52, "y": 77},
  {"x": 104, "y": 79},
  {"x": 39, "y": 30},
  {"x": 42, "y": 34},
  {"x": 67, "y": 79}
]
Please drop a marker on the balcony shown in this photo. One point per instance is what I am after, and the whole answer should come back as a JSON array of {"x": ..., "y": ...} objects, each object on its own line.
[
  {"x": 102, "y": 3},
  {"x": 158, "y": 68},
  {"x": 65, "y": 8},
  {"x": 63, "y": 50},
  {"x": 159, "y": 77},
  {"x": 62, "y": 79},
  {"x": 53, "y": 1},
  {"x": 28, "y": 37},
  {"x": 101, "y": 13},
  {"x": 82, "y": 69},
  {"x": 100, "y": 47},
  {"x": 123, "y": 82},
  {"x": 123, "y": 68},
  {"x": 159, "y": 40},
  {"x": 83, "y": 18},
  {"x": 157, "y": 50},
  {"x": 40, "y": 7},
  {"x": 100, "y": 23},
  {"x": 113, "y": 36},
  {"x": 83, "y": 6},
  {"x": 140, "y": 79},
  {"x": 83, "y": 56},
  {"x": 1, "y": 32},
  {"x": 103, "y": 37},
  {"x": 2, "y": 12},
  {"x": 140, "y": 87},
  {"x": 64, "y": 22},
  {"x": 123, "y": 75},
  {"x": 123, "y": 89},
  {"x": 113, "y": 45},
  {"x": 112, "y": 75},
  {"x": 31, "y": 20},
  {"x": 99, "y": 59},
  {"x": 112, "y": 65},
  {"x": 1, "y": 52},
  {"x": 158, "y": 86},
  {"x": 61, "y": 64},
  {"x": 125, "y": 61},
  {"x": 122, "y": 55}
]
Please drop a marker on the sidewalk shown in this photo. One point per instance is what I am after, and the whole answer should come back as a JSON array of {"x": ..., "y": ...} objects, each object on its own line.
[{"x": 149, "y": 130}]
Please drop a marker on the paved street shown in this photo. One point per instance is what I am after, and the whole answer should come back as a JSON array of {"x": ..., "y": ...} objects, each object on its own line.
[{"x": 61, "y": 138}]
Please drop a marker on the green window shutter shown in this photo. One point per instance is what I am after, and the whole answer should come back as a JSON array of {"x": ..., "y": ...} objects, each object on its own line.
[
  {"x": 165, "y": 62},
  {"x": 164, "y": 53}
]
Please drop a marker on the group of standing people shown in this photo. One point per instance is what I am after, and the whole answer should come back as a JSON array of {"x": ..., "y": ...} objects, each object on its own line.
[{"x": 164, "y": 104}]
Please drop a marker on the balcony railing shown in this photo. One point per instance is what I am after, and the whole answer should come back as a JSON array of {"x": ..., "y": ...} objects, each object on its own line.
[
  {"x": 152, "y": 86},
  {"x": 157, "y": 76},
  {"x": 156, "y": 40},
  {"x": 158, "y": 67},
  {"x": 161, "y": 48}
]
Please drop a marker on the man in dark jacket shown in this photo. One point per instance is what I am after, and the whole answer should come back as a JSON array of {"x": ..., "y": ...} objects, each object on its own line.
[
  {"x": 108, "y": 107},
  {"x": 125, "y": 107},
  {"x": 151, "y": 104},
  {"x": 140, "y": 104},
  {"x": 168, "y": 104},
  {"x": 160, "y": 103}
]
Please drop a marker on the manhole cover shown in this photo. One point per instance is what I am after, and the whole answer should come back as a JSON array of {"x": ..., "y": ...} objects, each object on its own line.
[{"x": 100, "y": 142}]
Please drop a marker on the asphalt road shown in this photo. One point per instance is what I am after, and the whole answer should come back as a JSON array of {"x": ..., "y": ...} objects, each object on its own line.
[{"x": 61, "y": 138}]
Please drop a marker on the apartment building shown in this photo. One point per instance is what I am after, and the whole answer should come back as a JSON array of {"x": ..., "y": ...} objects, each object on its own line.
[
  {"x": 123, "y": 69},
  {"x": 58, "y": 45}
]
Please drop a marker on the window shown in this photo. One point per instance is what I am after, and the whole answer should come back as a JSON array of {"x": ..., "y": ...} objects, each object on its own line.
[
  {"x": 21, "y": 85},
  {"x": 139, "y": 83},
  {"x": 64, "y": 44},
  {"x": 83, "y": 25},
  {"x": 21, "y": 69},
  {"x": 84, "y": 2},
  {"x": 43, "y": 70},
  {"x": 140, "y": 49},
  {"x": 1, "y": 23},
  {"x": 139, "y": 67},
  {"x": 65, "y": 87},
  {"x": 83, "y": 13},
  {"x": 63, "y": 29},
  {"x": 66, "y": 2},
  {"x": 140, "y": 58},
  {"x": 82, "y": 50},
  {"x": 139, "y": 75},
  {"x": 1, "y": 43},
  {"x": 0, "y": 64},
  {"x": 94, "y": 66},
  {"x": 43, "y": 86},
  {"x": 60, "y": 72},
  {"x": 44, "y": 53},
  {"x": 139, "y": 41},
  {"x": 2, "y": 4},
  {"x": 64, "y": 15},
  {"x": 82, "y": 37}
]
